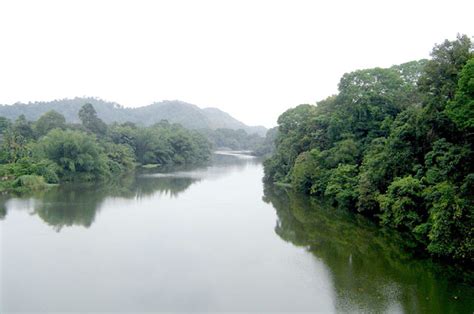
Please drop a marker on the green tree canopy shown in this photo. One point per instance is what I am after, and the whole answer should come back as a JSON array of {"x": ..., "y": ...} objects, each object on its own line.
[
  {"x": 48, "y": 121},
  {"x": 461, "y": 108},
  {"x": 91, "y": 121},
  {"x": 76, "y": 153}
]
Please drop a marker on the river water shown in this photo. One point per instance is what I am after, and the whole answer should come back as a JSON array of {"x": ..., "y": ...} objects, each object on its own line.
[{"x": 211, "y": 238}]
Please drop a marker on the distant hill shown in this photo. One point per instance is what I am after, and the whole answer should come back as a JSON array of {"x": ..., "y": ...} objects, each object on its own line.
[{"x": 175, "y": 111}]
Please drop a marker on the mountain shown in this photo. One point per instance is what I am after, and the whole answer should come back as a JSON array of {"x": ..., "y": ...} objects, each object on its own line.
[
  {"x": 223, "y": 120},
  {"x": 175, "y": 111}
]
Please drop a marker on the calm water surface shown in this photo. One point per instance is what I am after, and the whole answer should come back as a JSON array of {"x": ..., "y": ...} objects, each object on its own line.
[{"x": 207, "y": 239}]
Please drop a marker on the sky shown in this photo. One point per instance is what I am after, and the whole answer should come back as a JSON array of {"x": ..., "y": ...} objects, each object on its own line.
[{"x": 252, "y": 59}]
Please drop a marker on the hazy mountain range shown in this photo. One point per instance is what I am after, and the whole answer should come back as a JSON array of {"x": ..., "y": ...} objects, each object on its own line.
[{"x": 175, "y": 111}]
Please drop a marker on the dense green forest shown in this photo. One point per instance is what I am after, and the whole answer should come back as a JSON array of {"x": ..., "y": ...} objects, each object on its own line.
[
  {"x": 188, "y": 115},
  {"x": 47, "y": 151},
  {"x": 394, "y": 144}
]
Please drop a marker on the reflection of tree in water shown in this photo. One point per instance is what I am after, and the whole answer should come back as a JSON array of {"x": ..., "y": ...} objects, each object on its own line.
[
  {"x": 234, "y": 160},
  {"x": 77, "y": 203},
  {"x": 169, "y": 186},
  {"x": 369, "y": 267},
  {"x": 66, "y": 206},
  {"x": 221, "y": 164},
  {"x": 3, "y": 206}
]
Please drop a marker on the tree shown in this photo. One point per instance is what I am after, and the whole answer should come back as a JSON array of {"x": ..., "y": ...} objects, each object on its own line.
[
  {"x": 48, "y": 121},
  {"x": 76, "y": 153},
  {"x": 373, "y": 176},
  {"x": 397, "y": 143},
  {"x": 402, "y": 205},
  {"x": 120, "y": 157},
  {"x": 13, "y": 147},
  {"x": 447, "y": 162},
  {"x": 4, "y": 124},
  {"x": 23, "y": 128},
  {"x": 451, "y": 223},
  {"x": 342, "y": 186},
  {"x": 90, "y": 121},
  {"x": 461, "y": 108},
  {"x": 367, "y": 97},
  {"x": 305, "y": 171},
  {"x": 441, "y": 73}
]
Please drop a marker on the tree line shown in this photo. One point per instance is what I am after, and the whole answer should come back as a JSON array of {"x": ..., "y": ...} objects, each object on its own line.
[
  {"x": 394, "y": 144},
  {"x": 50, "y": 150}
]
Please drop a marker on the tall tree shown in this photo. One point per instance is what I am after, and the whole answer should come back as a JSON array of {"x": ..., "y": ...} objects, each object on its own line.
[
  {"x": 48, "y": 121},
  {"x": 461, "y": 109},
  {"x": 441, "y": 73},
  {"x": 90, "y": 121}
]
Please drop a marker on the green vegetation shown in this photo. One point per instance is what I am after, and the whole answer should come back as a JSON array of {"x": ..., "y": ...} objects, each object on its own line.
[
  {"x": 394, "y": 144},
  {"x": 49, "y": 151},
  {"x": 267, "y": 146}
]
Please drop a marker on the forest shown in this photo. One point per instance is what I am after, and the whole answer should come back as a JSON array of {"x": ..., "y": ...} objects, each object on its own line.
[
  {"x": 394, "y": 144},
  {"x": 49, "y": 150}
]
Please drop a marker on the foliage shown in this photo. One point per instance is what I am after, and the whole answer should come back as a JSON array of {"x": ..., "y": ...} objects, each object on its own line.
[
  {"x": 14, "y": 146},
  {"x": 120, "y": 158},
  {"x": 402, "y": 205},
  {"x": 394, "y": 144},
  {"x": 76, "y": 153},
  {"x": 25, "y": 175},
  {"x": 29, "y": 182},
  {"x": 162, "y": 143},
  {"x": 305, "y": 171},
  {"x": 90, "y": 121},
  {"x": 55, "y": 151},
  {"x": 23, "y": 128},
  {"x": 451, "y": 222},
  {"x": 440, "y": 76},
  {"x": 461, "y": 108},
  {"x": 48, "y": 121},
  {"x": 4, "y": 124},
  {"x": 267, "y": 146},
  {"x": 342, "y": 185}
]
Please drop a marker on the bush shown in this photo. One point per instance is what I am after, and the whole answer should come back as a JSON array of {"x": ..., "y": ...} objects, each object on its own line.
[
  {"x": 76, "y": 153},
  {"x": 402, "y": 205},
  {"x": 48, "y": 170},
  {"x": 29, "y": 182}
]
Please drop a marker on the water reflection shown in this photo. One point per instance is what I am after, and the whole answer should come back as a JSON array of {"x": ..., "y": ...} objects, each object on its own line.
[
  {"x": 201, "y": 239},
  {"x": 76, "y": 204},
  {"x": 3, "y": 207},
  {"x": 370, "y": 270}
]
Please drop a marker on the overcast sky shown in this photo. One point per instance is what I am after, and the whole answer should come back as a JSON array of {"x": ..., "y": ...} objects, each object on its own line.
[{"x": 252, "y": 59}]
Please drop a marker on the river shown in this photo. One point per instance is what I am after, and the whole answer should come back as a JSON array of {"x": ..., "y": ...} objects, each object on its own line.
[{"x": 211, "y": 238}]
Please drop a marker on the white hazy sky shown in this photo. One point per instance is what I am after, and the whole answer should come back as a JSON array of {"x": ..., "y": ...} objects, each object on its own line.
[{"x": 253, "y": 59}]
